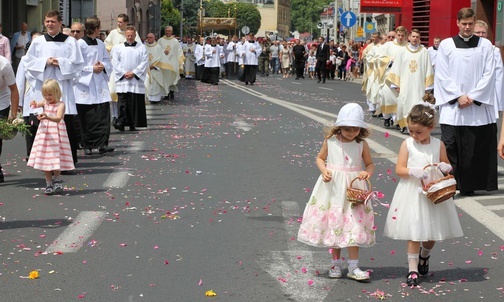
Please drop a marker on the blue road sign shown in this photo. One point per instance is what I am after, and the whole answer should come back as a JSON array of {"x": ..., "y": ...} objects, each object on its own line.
[
  {"x": 340, "y": 11},
  {"x": 348, "y": 19}
]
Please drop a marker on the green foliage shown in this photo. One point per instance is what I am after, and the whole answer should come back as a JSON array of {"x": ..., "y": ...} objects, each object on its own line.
[
  {"x": 190, "y": 14},
  {"x": 169, "y": 16},
  {"x": 306, "y": 14},
  {"x": 248, "y": 15}
]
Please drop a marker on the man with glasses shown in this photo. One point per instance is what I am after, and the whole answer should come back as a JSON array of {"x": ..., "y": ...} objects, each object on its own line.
[{"x": 77, "y": 30}]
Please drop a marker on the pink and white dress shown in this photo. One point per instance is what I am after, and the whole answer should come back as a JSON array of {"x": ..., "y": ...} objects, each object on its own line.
[
  {"x": 51, "y": 148},
  {"x": 329, "y": 220}
]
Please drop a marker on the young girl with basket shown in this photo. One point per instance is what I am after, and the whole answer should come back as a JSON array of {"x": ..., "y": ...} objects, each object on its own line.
[
  {"x": 330, "y": 219},
  {"x": 51, "y": 149},
  {"x": 412, "y": 216}
]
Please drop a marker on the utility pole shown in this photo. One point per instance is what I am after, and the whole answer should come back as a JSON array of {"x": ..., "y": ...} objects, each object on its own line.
[{"x": 181, "y": 18}]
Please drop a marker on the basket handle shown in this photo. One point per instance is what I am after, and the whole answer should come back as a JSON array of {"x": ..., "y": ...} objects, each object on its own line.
[{"x": 367, "y": 181}]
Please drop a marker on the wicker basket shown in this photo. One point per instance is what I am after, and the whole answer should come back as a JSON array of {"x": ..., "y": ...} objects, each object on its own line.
[
  {"x": 447, "y": 188},
  {"x": 356, "y": 195}
]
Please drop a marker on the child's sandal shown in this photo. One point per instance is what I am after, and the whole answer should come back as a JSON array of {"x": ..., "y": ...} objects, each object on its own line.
[
  {"x": 423, "y": 269},
  {"x": 412, "y": 279}
]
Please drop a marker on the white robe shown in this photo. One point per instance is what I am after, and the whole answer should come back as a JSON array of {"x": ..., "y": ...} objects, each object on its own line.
[
  {"x": 170, "y": 63},
  {"x": 92, "y": 88},
  {"x": 231, "y": 52},
  {"x": 154, "y": 79},
  {"x": 412, "y": 72},
  {"x": 190, "y": 59},
  {"x": 70, "y": 66},
  {"x": 433, "y": 55},
  {"x": 465, "y": 71},
  {"x": 25, "y": 89},
  {"x": 387, "y": 95},
  {"x": 251, "y": 52},
  {"x": 199, "y": 55},
  {"x": 212, "y": 56},
  {"x": 133, "y": 59},
  {"x": 116, "y": 37}
]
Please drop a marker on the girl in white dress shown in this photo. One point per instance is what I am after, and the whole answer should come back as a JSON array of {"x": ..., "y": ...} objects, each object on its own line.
[
  {"x": 411, "y": 215},
  {"x": 329, "y": 219}
]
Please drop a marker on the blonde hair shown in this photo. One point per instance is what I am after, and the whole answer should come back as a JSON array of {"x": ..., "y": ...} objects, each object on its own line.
[{"x": 53, "y": 87}]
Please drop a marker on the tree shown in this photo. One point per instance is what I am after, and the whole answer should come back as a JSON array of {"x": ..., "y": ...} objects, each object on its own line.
[
  {"x": 246, "y": 13},
  {"x": 169, "y": 16},
  {"x": 306, "y": 14},
  {"x": 190, "y": 14}
]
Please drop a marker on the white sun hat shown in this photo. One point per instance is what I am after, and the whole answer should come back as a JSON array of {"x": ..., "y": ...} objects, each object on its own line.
[{"x": 351, "y": 115}]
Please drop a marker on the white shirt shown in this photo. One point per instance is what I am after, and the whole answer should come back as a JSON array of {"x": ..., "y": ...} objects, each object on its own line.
[{"x": 7, "y": 79}]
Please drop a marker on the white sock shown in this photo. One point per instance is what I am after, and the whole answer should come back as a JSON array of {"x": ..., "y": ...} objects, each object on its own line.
[
  {"x": 413, "y": 262},
  {"x": 425, "y": 252},
  {"x": 352, "y": 264},
  {"x": 336, "y": 262}
]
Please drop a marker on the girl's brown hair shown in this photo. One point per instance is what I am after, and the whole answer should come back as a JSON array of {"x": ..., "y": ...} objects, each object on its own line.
[
  {"x": 423, "y": 114},
  {"x": 330, "y": 131}
]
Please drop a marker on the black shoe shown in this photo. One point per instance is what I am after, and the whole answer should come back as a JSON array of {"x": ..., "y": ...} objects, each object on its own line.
[
  {"x": 412, "y": 279},
  {"x": 251, "y": 83},
  {"x": 114, "y": 122},
  {"x": 246, "y": 83},
  {"x": 172, "y": 95},
  {"x": 2, "y": 179},
  {"x": 323, "y": 82},
  {"x": 297, "y": 78},
  {"x": 302, "y": 78},
  {"x": 373, "y": 113},
  {"x": 423, "y": 269},
  {"x": 467, "y": 193},
  {"x": 318, "y": 81},
  {"x": 105, "y": 149},
  {"x": 132, "y": 129},
  {"x": 386, "y": 122},
  {"x": 88, "y": 152},
  {"x": 404, "y": 130},
  {"x": 120, "y": 127}
]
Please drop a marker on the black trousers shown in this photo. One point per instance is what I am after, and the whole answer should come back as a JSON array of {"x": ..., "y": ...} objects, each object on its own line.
[
  {"x": 72, "y": 134},
  {"x": 300, "y": 64},
  {"x": 320, "y": 69},
  {"x": 232, "y": 70}
]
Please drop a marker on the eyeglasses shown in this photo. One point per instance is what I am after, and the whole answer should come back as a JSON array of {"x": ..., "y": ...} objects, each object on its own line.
[
  {"x": 391, "y": 37},
  {"x": 75, "y": 31}
]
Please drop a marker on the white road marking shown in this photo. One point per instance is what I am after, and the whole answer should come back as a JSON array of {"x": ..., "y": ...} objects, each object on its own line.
[
  {"x": 325, "y": 88},
  {"x": 242, "y": 124},
  {"x": 74, "y": 236},
  {"x": 117, "y": 179},
  {"x": 296, "y": 266}
]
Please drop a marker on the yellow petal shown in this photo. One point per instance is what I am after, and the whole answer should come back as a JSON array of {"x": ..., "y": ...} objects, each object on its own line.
[
  {"x": 33, "y": 275},
  {"x": 210, "y": 293}
]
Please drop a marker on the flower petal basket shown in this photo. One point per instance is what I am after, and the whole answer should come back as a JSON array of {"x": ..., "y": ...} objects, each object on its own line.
[
  {"x": 357, "y": 195},
  {"x": 440, "y": 189}
]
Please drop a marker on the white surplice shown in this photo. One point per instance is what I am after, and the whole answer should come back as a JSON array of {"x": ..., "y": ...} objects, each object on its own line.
[
  {"x": 465, "y": 71},
  {"x": 92, "y": 88},
  {"x": 70, "y": 62},
  {"x": 251, "y": 52},
  {"x": 130, "y": 58}
]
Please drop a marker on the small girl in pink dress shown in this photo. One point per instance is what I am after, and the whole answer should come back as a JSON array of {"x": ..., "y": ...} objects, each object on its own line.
[
  {"x": 51, "y": 148},
  {"x": 329, "y": 219}
]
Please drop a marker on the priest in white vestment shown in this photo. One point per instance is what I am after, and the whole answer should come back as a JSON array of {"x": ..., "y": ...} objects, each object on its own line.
[
  {"x": 251, "y": 51},
  {"x": 412, "y": 75},
  {"x": 464, "y": 84},
  {"x": 170, "y": 61},
  {"x": 154, "y": 80},
  {"x": 213, "y": 56},
  {"x": 199, "y": 56},
  {"x": 388, "y": 96},
  {"x": 115, "y": 37},
  {"x": 130, "y": 62},
  {"x": 190, "y": 59},
  {"x": 369, "y": 75},
  {"x": 56, "y": 56},
  {"x": 92, "y": 94}
]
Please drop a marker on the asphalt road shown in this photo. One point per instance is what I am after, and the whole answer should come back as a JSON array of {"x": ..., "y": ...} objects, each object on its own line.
[{"x": 209, "y": 197}]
